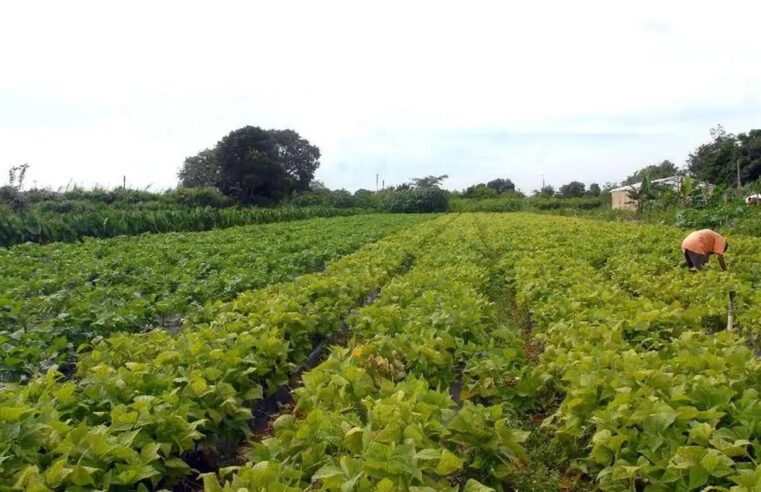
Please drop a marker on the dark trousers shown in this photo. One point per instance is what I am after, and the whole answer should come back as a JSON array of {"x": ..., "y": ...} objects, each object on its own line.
[{"x": 695, "y": 260}]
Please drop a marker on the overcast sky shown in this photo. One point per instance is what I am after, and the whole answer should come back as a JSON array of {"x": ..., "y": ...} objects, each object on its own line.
[{"x": 91, "y": 91}]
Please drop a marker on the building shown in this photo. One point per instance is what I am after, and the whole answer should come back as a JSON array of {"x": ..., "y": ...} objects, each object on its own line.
[{"x": 619, "y": 197}]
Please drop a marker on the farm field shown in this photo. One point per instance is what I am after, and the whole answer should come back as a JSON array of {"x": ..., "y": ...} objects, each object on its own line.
[
  {"x": 467, "y": 352},
  {"x": 54, "y": 297}
]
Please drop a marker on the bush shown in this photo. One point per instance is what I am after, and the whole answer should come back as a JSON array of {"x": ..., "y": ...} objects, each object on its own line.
[
  {"x": 198, "y": 197},
  {"x": 416, "y": 200},
  {"x": 12, "y": 198},
  {"x": 508, "y": 202}
]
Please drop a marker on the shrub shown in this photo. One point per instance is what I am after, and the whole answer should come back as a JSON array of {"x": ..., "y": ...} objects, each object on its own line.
[
  {"x": 416, "y": 200},
  {"x": 198, "y": 197}
]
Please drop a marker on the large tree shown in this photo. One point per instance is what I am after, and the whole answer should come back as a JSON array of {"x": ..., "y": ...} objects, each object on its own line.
[
  {"x": 250, "y": 169},
  {"x": 665, "y": 169},
  {"x": 299, "y": 158},
  {"x": 200, "y": 170},
  {"x": 254, "y": 165}
]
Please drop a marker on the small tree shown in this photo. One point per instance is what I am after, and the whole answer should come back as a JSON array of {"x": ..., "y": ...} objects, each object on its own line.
[
  {"x": 16, "y": 175},
  {"x": 428, "y": 181},
  {"x": 594, "y": 190},
  {"x": 646, "y": 193}
]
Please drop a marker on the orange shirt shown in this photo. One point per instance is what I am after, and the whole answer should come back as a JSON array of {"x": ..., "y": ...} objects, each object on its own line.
[{"x": 705, "y": 242}]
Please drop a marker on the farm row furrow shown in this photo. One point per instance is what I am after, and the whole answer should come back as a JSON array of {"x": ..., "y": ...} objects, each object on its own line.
[
  {"x": 652, "y": 398},
  {"x": 378, "y": 414},
  {"x": 54, "y": 298},
  {"x": 139, "y": 403}
]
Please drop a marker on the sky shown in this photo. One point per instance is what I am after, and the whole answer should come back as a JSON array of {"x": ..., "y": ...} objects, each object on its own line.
[{"x": 531, "y": 90}]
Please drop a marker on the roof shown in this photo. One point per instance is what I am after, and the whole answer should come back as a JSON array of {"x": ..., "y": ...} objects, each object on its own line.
[{"x": 672, "y": 180}]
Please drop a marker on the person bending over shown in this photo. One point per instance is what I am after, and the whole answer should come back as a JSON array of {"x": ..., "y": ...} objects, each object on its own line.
[{"x": 698, "y": 246}]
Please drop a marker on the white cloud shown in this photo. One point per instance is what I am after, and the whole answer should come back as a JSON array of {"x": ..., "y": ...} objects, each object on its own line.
[{"x": 90, "y": 91}]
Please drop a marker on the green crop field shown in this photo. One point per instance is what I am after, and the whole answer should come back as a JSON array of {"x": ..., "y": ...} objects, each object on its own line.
[{"x": 469, "y": 352}]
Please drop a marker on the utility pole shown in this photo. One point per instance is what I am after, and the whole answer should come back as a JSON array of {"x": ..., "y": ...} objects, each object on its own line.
[
  {"x": 542, "y": 180},
  {"x": 376, "y": 181},
  {"x": 383, "y": 187},
  {"x": 124, "y": 182}
]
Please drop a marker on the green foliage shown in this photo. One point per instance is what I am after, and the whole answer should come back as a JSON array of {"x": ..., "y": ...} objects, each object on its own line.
[
  {"x": 56, "y": 297},
  {"x": 200, "y": 170},
  {"x": 250, "y": 170},
  {"x": 480, "y": 191},
  {"x": 415, "y": 200},
  {"x": 720, "y": 160},
  {"x": 138, "y": 403},
  {"x": 254, "y": 165},
  {"x": 72, "y": 225},
  {"x": 299, "y": 158},
  {"x": 501, "y": 185},
  {"x": 574, "y": 189},
  {"x": 428, "y": 181},
  {"x": 665, "y": 169},
  {"x": 198, "y": 197},
  {"x": 623, "y": 364}
]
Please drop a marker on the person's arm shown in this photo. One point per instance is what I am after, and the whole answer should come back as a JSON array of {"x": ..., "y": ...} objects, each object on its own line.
[{"x": 721, "y": 262}]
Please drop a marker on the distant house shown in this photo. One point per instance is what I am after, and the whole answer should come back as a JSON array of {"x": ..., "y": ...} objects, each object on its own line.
[
  {"x": 754, "y": 199},
  {"x": 619, "y": 197}
]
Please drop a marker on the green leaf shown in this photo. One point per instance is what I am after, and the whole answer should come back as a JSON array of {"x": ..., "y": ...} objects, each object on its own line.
[
  {"x": 385, "y": 485},
  {"x": 210, "y": 483},
  {"x": 698, "y": 477},
  {"x": 327, "y": 471},
  {"x": 12, "y": 414},
  {"x": 476, "y": 486},
  {"x": 428, "y": 454},
  {"x": 57, "y": 473},
  {"x": 449, "y": 463},
  {"x": 82, "y": 475}
]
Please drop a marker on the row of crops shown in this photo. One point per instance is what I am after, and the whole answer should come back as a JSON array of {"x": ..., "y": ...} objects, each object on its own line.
[
  {"x": 69, "y": 226},
  {"x": 141, "y": 406},
  {"x": 474, "y": 352},
  {"x": 55, "y": 297}
]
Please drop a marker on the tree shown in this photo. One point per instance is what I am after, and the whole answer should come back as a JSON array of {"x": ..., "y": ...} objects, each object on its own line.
[
  {"x": 749, "y": 155},
  {"x": 665, "y": 169},
  {"x": 317, "y": 186},
  {"x": 299, "y": 158},
  {"x": 200, "y": 170},
  {"x": 594, "y": 190},
  {"x": 546, "y": 191},
  {"x": 646, "y": 192},
  {"x": 715, "y": 162},
  {"x": 16, "y": 176},
  {"x": 428, "y": 181},
  {"x": 250, "y": 169},
  {"x": 479, "y": 191},
  {"x": 501, "y": 185},
  {"x": 572, "y": 190}
]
